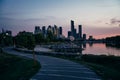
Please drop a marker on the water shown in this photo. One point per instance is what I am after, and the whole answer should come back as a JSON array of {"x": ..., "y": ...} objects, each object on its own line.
[
  {"x": 95, "y": 48},
  {"x": 100, "y": 49}
]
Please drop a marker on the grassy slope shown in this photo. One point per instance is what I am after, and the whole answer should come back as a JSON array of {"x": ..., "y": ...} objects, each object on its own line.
[{"x": 16, "y": 68}]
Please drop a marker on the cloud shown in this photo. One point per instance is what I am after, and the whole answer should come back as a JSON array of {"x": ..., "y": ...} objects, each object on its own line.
[{"x": 115, "y": 21}]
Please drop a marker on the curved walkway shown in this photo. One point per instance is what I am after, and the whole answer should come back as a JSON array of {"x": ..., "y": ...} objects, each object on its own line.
[{"x": 58, "y": 69}]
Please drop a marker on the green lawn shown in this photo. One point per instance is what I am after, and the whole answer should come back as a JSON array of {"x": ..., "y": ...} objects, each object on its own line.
[{"x": 16, "y": 68}]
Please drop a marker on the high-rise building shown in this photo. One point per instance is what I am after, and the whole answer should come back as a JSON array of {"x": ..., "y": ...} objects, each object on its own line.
[
  {"x": 49, "y": 29},
  {"x": 80, "y": 31},
  {"x": 69, "y": 34},
  {"x": 72, "y": 28},
  {"x": 74, "y": 33},
  {"x": 60, "y": 30},
  {"x": 44, "y": 31},
  {"x": 84, "y": 36},
  {"x": 55, "y": 30},
  {"x": 37, "y": 30}
]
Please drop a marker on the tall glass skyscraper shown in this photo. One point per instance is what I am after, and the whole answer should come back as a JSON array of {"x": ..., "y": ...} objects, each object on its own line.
[
  {"x": 60, "y": 30},
  {"x": 72, "y": 28},
  {"x": 80, "y": 32}
]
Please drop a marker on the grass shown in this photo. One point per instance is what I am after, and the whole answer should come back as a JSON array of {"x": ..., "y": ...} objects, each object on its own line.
[
  {"x": 107, "y": 67},
  {"x": 16, "y": 68}
]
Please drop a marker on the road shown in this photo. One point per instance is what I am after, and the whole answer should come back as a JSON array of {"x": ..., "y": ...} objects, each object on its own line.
[{"x": 58, "y": 69}]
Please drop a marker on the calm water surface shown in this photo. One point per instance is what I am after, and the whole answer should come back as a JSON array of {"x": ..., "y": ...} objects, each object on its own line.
[
  {"x": 96, "y": 49},
  {"x": 100, "y": 49}
]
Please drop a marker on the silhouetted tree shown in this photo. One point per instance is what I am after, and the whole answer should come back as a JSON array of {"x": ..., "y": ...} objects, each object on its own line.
[
  {"x": 39, "y": 38},
  {"x": 25, "y": 39},
  {"x": 113, "y": 41},
  {"x": 50, "y": 36}
]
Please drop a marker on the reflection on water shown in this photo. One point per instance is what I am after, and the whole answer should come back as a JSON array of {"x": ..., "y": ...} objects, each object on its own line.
[
  {"x": 84, "y": 48},
  {"x": 100, "y": 49}
]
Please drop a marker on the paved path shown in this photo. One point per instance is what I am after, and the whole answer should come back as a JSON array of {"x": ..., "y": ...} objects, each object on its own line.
[{"x": 59, "y": 69}]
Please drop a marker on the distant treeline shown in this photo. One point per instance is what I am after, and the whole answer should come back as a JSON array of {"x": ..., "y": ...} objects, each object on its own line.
[
  {"x": 27, "y": 39},
  {"x": 113, "y": 41}
]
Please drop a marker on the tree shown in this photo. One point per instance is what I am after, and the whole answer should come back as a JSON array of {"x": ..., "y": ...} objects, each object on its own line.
[
  {"x": 30, "y": 42},
  {"x": 25, "y": 40},
  {"x": 50, "y": 36},
  {"x": 39, "y": 38}
]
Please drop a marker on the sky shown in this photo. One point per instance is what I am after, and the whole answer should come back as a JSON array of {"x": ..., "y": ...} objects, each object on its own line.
[{"x": 100, "y": 18}]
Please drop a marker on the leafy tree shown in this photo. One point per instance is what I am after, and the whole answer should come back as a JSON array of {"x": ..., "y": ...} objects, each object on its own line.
[
  {"x": 25, "y": 40},
  {"x": 113, "y": 41},
  {"x": 50, "y": 36},
  {"x": 30, "y": 42},
  {"x": 39, "y": 38}
]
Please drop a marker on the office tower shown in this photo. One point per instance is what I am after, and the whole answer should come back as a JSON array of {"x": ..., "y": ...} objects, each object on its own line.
[
  {"x": 37, "y": 30},
  {"x": 72, "y": 28},
  {"x": 80, "y": 31},
  {"x": 55, "y": 30},
  {"x": 49, "y": 29},
  {"x": 74, "y": 33},
  {"x": 44, "y": 31},
  {"x": 77, "y": 35},
  {"x": 84, "y": 36},
  {"x": 69, "y": 34},
  {"x": 60, "y": 30}
]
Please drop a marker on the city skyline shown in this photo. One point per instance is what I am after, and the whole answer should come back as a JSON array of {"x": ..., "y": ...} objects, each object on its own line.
[{"x": 99, "y": 18}]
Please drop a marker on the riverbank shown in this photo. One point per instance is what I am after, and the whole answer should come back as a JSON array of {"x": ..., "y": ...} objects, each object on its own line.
[{"x": 16, "y": 68}]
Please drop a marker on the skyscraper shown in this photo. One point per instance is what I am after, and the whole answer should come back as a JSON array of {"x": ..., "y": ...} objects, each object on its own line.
[
  {"x": 84, "y": 36},
  {"x": 60, "y": 30},
  {"x": 55, "y": 30},
  {"x": 72, "y": 28},
  {"x": 37, "y": 30},
  {"x": 80, "y": 31},
  {"x": 69, "y": 34},
  {"x": 74, "y": 33},
  {"x": 44, "y": 31},
  {"x": 49, "y": 29}
]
